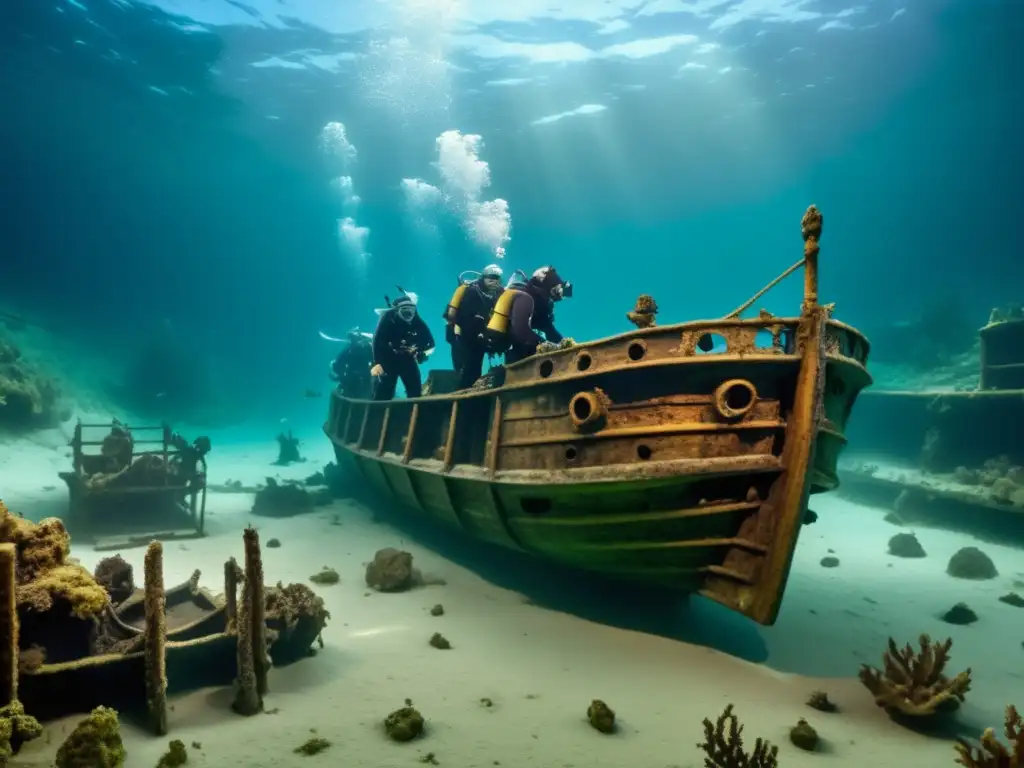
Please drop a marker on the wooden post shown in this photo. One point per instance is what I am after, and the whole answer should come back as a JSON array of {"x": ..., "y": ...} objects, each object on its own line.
[
  {"x": 449, "y": 443},
  {"x": 384, "y": 430},
  {"x": 8, "y": 625},
  {"x": 810, "y": 229},
  {"x": 231, "y": 594},
  {"x": 156, "y": 638},
  {"x": 410, "y": 438},
  {"x": 257, "y": 608},
  {"x": 495, "y": 438}
]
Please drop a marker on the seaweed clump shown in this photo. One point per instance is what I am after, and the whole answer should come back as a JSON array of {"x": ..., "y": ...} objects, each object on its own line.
[
  {"x": 95, "y": 743},
  {"x": 297, "y": 616},
  {"x": 44, "y": 575},
  {"x": 991, "y": 753},
  {"x": 723, "y": 745},
  {"x": 913, "y": 683}
]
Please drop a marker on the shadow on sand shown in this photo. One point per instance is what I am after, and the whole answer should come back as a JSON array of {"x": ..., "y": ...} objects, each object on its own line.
[{"x": 590, "y": 596}]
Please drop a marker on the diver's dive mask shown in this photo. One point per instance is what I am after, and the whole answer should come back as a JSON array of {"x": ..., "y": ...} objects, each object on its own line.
[{"x": 406, "y": 312}]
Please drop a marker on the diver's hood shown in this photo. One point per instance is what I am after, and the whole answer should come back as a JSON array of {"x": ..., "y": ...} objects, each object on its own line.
[{"x": 405, "y": 297}]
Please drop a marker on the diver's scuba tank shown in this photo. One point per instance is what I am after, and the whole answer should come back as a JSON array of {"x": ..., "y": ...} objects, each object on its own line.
[{"x": 497, "y": 334}]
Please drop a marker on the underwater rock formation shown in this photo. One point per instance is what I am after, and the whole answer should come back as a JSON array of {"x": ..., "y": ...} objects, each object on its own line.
[
  {"x": 723, "y": 745},
  {"x": 404, "y": 724},
  {"x": 28, "y": 398},
  {"x": 803, "y": 736},
  {"x": 95, "y": 743},
  {"x": 971, "y": 563},
  {"x": 390, "y": 571},
  {"x": 601, "y": 716},
  {"x": 960, "y": 614},
  {"x": 287, "y": 499},
  {"x": 175, "y": 756},
  {"x": 906, "y": 545},
  {"x": 913, "y": 683},
  {"x": 991, "y": 753},
  {"x": 297, "y": 616}
]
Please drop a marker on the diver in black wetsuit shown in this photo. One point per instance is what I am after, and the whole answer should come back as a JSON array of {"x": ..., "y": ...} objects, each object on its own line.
[
  {"x": 401, "y": 343},
  {"x": 536, "y": 312},
  {"x": 351, "y": 368},
  {"x": 470, "y": 321}
]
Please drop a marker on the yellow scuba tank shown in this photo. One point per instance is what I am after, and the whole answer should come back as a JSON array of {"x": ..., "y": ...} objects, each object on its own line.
[
  {"x": 453, "y": 303},
  {"x": 497, "y": 333}
]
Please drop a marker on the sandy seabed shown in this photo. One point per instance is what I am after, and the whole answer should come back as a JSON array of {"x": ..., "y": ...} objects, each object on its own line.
[{"x": 540, "y": 646}]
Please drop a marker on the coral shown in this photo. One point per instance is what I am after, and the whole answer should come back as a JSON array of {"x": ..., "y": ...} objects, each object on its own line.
[
  {"x": 30, "y": 659},
  {"x": 28, "y": 398},
  {"x": 95, "y": 743},
  {"x": 288, "y": 449},
  {"x": 912, "y": 683},
  {"x": 819, "y": 700},
  {"x": 298, "y": 616},
  {"x": 404, "y": 724},
  {"x": 439, "y": 641},
  {"x": 43, "y": 573},
  {"x": 437, "y": 610},
  {"x": 971, "y": 563},
  {"x": 992, "y": 754},
  {"x": 643, "y": 314},
  {"x": 175, "y": 756},
  {"x": 156, "y": 638},
  {"x": 115, "y": 575},
  {"x": 724, "y": 748},
  {"x": 601, "y": 716},
  {"x": 15, "y": 729}
]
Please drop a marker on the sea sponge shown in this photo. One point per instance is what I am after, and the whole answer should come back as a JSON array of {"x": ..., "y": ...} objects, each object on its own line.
[
  {"x": 724, "y": 749},
  {"x": 43, "y": 572},
  {"x": 95, "y": 743},
  {"x": 912, "y": 683},
  {"x": 992, "y": 754}
]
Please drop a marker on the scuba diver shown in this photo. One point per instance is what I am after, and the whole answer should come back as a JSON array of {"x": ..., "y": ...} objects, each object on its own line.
[
  {"x": 467, "y": 315},
  {"x": 401, "y": 344},
  {"x": 526, "y": 307},
  {"x": 351, "y": 368}
]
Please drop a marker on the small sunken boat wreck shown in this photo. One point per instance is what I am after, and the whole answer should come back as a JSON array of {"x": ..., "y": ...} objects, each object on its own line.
[
  {"x": 950, "y": 458},
  {"x": 677, "y": 456}
]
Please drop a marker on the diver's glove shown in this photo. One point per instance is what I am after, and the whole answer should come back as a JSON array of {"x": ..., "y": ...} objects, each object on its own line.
[{"x": 421, "y": 357}]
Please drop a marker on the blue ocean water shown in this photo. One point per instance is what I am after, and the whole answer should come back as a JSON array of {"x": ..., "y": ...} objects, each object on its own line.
[{"x": 194, "y": 192}]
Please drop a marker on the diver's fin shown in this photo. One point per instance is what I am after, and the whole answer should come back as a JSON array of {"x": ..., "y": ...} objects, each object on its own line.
[{"x": 328, "y": 338}]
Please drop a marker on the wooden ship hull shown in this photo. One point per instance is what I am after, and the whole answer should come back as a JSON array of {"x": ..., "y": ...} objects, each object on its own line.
[{"x": 637, "y": 456}]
